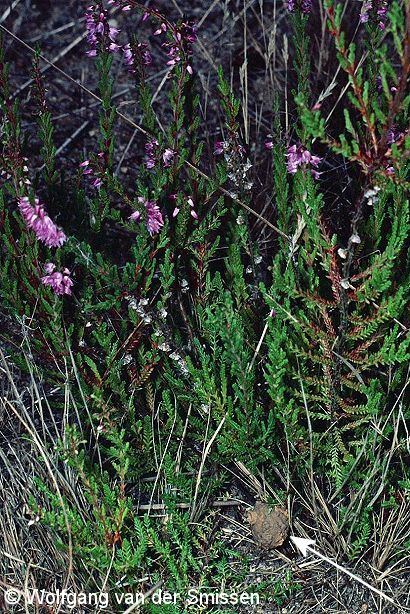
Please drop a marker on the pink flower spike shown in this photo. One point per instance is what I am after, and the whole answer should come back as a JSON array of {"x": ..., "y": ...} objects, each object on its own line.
[
  {"x": 189, "y": 69},
  {"x": 175, "y": 212},
  {"x": 219, "y": 148},
  {"x": 161, "y": 29},
  {"x": 126, "y": 8},
  {"x": 194, "y": 214},
  {"x": 85, "y": 163},
  {"x": 61, "y": 283},
  {"x": 155, "y": 220},
  {"x": 190, "y": 202},
  {"x": 113, "y": 33},
  {"x": 168, "y": 156},
  {"x": 38, "y": 220},
  {"x": 298, "y": 156},
  {"x": 135, "y": 217},
  {"x": 49, "y": 268}
]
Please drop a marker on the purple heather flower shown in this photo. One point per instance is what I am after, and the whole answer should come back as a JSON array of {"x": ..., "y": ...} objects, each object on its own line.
[
  {"x": 155, "y": 220},
  {"x": 89, "y": 170},
  {"x": 183, "y": 37},
  {"x": 175, "y": 57},
  {"x": 113, "y": 33},
  {"x": 117, "y": 3},
  {"x": 175, "y": 212},
  {"x": 269, "y": 143},
  {"x": 365, "y": 10},
  {"x": 61, "y": 283},
  {"x": 192, "y": 205},
  {"x": 162, "y": 28},
  {"x": 154, "y": 217},
  {"x": 219, "y": 148},
  {"x": 127, "y": 55},
  {"x": 135, "y": 217},
  {"x": 145, "y": 54},
  {"x": 382, "y": 14},
  {"x": 99, "y": 30},
  {"x": 299, "y": 156},
  {"x": 38, "y": 220},
  {"x": 150, "y": 148},
  {"x": 376, "y": 9},
  {"x": 304, "y": 5},
  {"x": 393, "y": 136},
  {"x": 168, "y": 156}
]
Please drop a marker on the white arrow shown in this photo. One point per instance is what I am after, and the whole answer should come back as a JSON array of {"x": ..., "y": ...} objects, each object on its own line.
[{"x": 305, "y": 544}]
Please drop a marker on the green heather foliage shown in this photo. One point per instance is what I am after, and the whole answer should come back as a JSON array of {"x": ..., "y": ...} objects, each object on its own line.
[{"x": 163, "y": 339}]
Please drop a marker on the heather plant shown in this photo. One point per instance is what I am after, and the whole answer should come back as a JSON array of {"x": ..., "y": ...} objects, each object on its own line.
[{"x": 183, "y": 366}]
